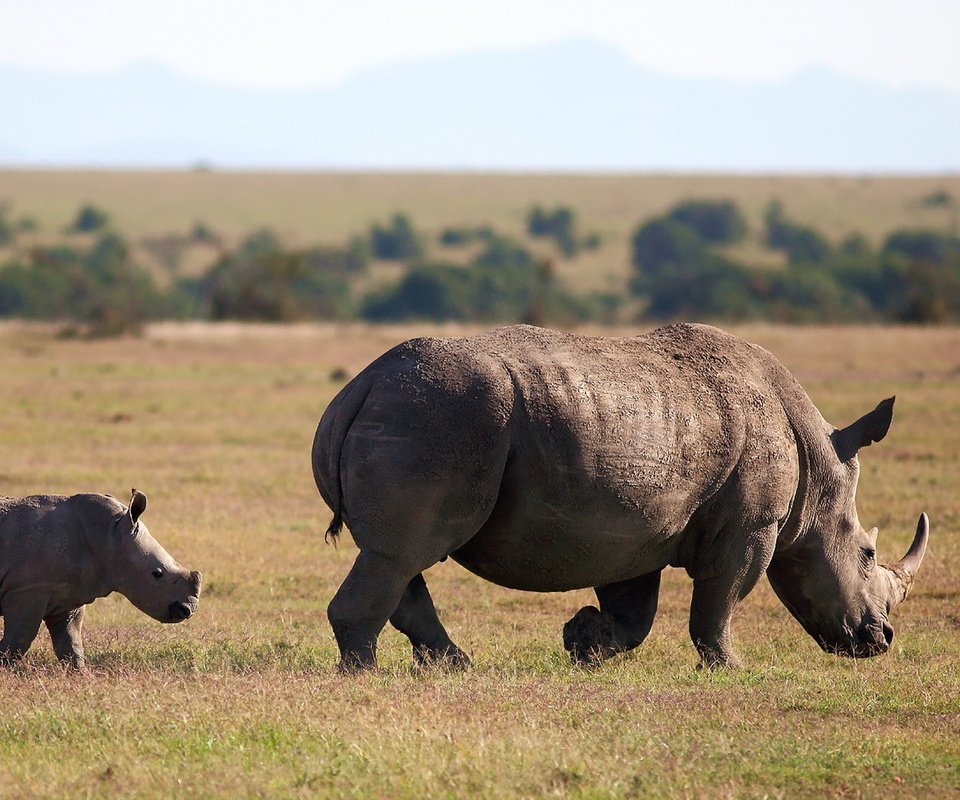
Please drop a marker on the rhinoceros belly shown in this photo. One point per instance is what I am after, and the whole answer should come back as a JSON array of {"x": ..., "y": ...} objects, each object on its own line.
[{"x": 604, "y": 474}]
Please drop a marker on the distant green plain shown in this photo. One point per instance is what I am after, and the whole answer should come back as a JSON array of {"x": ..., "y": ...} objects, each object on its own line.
[
  {"x": 215, "y": 422},
  {"x": 316, "y": 208}
]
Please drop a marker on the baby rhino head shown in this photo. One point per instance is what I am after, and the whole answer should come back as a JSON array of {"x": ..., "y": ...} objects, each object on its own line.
[{"x": 146, "y": 574}]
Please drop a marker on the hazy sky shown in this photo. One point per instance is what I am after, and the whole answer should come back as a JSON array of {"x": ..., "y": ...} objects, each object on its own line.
[{"x": 302, "y": 43}]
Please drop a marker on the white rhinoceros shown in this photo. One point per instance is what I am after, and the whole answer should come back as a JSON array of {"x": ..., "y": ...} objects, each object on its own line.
[{"x": 547, "y": 461}]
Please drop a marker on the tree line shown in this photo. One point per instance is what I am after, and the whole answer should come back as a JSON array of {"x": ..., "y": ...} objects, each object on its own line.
[{"x": 681, "y": 261}]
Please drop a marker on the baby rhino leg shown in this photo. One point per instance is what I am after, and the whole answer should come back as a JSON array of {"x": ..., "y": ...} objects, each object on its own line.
[
  {"x": 66, "y": 633},
  {"x": 22, "y": 614}
]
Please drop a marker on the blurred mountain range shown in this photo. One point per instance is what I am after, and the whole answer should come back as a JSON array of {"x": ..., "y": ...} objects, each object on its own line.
[{"x": 570, "y": 106}]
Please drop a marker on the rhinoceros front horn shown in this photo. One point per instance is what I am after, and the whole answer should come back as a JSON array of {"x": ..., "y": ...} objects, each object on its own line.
[
  {"x": 906, "y": 568},
  {"x": 910, "y": 563}
]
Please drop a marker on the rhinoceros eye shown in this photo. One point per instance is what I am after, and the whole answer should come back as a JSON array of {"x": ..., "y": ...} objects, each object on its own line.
[
  {"x": 158, "y": 573},
  {"x": 867, "y": 557}
]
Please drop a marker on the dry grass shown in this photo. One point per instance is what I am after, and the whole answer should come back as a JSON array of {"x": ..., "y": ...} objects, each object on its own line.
[
  {"x": 309, "y": 208},
  {"x": 215, "y": 424}
]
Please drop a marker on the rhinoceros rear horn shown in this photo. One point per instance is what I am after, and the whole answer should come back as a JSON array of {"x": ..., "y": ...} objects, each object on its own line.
[{"x": 865, "y": 431}]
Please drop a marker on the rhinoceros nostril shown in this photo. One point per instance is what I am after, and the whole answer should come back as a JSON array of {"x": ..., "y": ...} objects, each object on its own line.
[
  {"x": 178, "y": 611},
  {"x": 874, "y": 640},
  {"x": 888, "y": 633}
]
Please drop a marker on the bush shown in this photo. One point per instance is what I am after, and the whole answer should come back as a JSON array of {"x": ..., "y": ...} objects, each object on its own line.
[
  {"x": 931, "y": 293},
  {"x": 855, "y": 245},
  {"x": 922, "y": 245},
  {"x": 807, "y": 246},
  {"x": 559, "y": 225},
  {"x": 663, "y": 242},
  {"x": 503, "y": 283},
  {"x": 263, "y": 282},
  {"x": 713, "y": 287},
  {"x": 396, "y": 242},
  {"x": 803, "y": 245},
  {"x": 259, "y": 243},
  {"x": 813, "y": 295},
  {"x": 715, "y": 221},
  {"x": 101, "y": 287},
  {"x": 455, "y": 237},
  {"x": 680, "y": 278},
  {"x": 89, "y": 218},
  {"x": 6, "y": 229},
  {"x": 503, "y": 276},
  {"x": 465, "y": 234},
  {"x": 201, "y": 233},
  {"x": 437, "y": 292},
  {"x": 14, "y": 280},
  {"x": 940, "y": 198}
]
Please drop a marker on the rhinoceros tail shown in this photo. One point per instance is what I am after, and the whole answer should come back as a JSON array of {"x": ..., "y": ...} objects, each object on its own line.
[
  {"x": 328, "y": 448},
  {"x": 336, "y": 524}
]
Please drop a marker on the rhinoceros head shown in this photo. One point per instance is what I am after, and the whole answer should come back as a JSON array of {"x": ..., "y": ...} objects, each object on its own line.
[
  {"x": 829, "y": 578},
  {"x": 146, "y": 574}
]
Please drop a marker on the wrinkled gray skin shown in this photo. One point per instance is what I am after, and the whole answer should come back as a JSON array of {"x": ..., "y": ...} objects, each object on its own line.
[
  {"x": 547, "y": 461},
  {"x": 57, "y": 554}
]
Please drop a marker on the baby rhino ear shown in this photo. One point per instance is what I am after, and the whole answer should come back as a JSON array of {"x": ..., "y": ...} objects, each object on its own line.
[{"x": 138, "y": 504}]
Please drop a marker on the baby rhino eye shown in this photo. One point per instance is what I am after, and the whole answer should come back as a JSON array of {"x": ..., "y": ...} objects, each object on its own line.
[{"x": 158, "y": 573}]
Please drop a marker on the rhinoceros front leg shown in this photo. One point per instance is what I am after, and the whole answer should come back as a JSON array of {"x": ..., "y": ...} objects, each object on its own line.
[
  {"x": 622, "y": 622},
  {"x": 719, "y": 586},
  {"x": 365, "y": 600},
  {"x": 417, "y": 618},
  {"x": 22, "y": 615},
  {"x": 66, "y": 633}
]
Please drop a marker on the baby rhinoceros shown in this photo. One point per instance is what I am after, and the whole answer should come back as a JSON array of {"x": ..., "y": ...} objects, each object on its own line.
[{"x": 58, "y": 553}]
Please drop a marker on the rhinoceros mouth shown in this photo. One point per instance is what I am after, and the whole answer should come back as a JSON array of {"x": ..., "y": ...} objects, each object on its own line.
[
  {"x": 873, "y": 640},
  {"x": 180, "y": 611},
  {"x": 854, "y": 650}
]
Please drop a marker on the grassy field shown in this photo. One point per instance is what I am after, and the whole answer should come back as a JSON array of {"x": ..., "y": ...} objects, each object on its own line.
[
  {"x": 215, "y": 425},
  {"x": 307, "y": 209}
]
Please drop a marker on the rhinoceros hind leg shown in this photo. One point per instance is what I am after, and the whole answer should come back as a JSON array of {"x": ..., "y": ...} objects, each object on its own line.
[
  {"x": 66, "y": 633},
  {"x": 417, "y": 619},
  {"x": 365, "y": 600},
  {"x": 22, "y": 615},
  {"x": 622, "y": 622}
]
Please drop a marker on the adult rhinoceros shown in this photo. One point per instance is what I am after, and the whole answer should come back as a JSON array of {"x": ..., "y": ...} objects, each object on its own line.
[{"x": 547, "y": 461}]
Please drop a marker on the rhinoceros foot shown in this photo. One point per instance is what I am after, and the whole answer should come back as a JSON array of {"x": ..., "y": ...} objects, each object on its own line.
[
  {"x": 355, "y": 662},
  {"x": 450, "y": 658},
  {"x": 590, "y": 637}
]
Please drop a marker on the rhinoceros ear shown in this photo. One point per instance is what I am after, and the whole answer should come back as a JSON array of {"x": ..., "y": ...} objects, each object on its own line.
[
  {"x": 138, "y": 504},
  {"x": 865, "y": 431}
]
